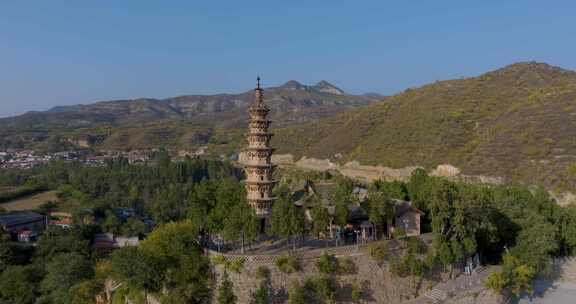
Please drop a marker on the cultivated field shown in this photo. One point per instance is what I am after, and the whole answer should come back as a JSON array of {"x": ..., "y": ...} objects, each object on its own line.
[{"x": 30, "y": 202}]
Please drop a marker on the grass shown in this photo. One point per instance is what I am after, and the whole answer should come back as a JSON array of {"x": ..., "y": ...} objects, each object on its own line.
[{"x": 30, "y": 202}]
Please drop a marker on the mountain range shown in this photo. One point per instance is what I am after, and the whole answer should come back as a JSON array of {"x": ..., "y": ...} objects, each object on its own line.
[
  {"x": 184, "y": 121},
  {"x": 517, "y": 122}
]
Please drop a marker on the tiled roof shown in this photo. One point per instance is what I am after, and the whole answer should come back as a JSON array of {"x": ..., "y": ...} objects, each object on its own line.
[{"x": 16, "y": 218}]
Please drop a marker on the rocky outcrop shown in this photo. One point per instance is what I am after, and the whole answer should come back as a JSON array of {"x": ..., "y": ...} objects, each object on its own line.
[
  {"x": 445, "y": 170},
  {"x": 364, "y": 173},
  {"x": 316, "y": 164},
  {"x": 282, "y": 159}
]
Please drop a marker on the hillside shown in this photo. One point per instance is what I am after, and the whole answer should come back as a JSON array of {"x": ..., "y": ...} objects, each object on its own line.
[
  {"x": 518, "y": 122},
  {"x": 183, "y": 121}
]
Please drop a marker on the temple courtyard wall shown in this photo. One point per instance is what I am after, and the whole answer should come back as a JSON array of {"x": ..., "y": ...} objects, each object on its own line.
[{"x": 378, "y": 284}]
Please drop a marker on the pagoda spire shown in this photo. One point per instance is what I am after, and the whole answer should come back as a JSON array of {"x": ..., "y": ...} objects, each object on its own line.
[
  {"x": 258, "y": 92},
  {"x": 257, "y": 157}
]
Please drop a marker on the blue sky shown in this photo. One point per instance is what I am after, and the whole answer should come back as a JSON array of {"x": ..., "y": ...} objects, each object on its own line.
[{"x": 67, "y": 52}]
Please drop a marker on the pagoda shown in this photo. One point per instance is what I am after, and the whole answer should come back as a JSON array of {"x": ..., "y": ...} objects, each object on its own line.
[{"x": 257, "y": 158}]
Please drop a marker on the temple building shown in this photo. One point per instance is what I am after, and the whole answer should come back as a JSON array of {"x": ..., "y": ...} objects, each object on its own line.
[{"x": 257, "y": 158}]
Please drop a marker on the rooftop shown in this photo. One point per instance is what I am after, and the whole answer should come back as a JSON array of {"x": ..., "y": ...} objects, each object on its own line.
[{"x": 15, "y": 218}]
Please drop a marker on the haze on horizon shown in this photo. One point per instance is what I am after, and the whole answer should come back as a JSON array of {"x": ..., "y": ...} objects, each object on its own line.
[{"x": 60, "y": 52}]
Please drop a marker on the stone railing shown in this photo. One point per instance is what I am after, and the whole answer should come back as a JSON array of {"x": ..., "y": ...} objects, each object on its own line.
[{"x": 270, "y": 259}]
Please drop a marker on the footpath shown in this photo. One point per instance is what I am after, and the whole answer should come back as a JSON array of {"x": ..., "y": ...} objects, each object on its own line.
[{"x": 459, "y": 286}]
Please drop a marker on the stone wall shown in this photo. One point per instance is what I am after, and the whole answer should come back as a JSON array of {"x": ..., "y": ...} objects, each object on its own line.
[{"x": 376, "y": 279}]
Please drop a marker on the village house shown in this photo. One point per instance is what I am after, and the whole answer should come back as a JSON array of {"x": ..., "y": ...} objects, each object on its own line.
[
  {"x": 359, "y": 227},
  {"x": 106, "y": 242},
  {"x": 23, "y": 226},
  {"x": 61, "y": 219}
]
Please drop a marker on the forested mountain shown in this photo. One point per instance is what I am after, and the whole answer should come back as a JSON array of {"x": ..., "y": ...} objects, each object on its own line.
[
  {"x": 517, "y": 122},
  {"x": 183, "y": 121}
]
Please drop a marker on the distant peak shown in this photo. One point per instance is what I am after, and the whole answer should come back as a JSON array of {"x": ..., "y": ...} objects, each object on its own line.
[
  {"x": 326, "y": 87},
  {"x": 533, "y": 73},
  {"x": 533, "y": 66},
  {"x": 292, "y": 84}
]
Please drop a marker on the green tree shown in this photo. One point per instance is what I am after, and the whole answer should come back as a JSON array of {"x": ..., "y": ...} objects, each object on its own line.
[
  {"x": 287, "y": 220},
  {"x": 419, "y": 189},
  {"x": 445, "y": 254},
  {"x": 5, "y": 254},
  {"x": 133, "y": 227},
  {"x": 380, "y": 209},
  {"x": 56, "y": 240},
  {"x": 85, "y": 292},
  {"x": 322, "y": 287},
  {"x": 137, "y": 269},
  {"x": 262, "y": 294},
  {"x": 327, "y": 264},
  {"x": 242, "y": 224},
  {"x": 185, "y": 269},
  {"x": 20, "y": 284},
  {"x": 379, "y": 251},
  {"x": 321, "y": 219},
  {"x": 297, "y": 294},
  {"x": 514, "y": 275},
  {"x": 496, "y": 282},
  {"x": 226, "y": 291},
  {"x": 111, "y": 223},
  {"x": 63, "y": 272}
]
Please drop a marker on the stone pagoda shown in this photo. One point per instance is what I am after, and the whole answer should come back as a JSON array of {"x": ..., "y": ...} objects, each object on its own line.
[{"x": 257, "y": 158}]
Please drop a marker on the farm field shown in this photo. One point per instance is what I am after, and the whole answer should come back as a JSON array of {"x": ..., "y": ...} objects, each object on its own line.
[{"x": 30, "y": 202}]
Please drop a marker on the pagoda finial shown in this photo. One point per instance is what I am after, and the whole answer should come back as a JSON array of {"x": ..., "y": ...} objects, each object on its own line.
[{"x": 258, "y": 91}]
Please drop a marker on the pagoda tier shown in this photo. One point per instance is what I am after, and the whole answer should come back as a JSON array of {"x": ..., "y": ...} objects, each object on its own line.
[
  {"x": 258, "y": 158},
  {"x": 261, "y": 207},
  {"x": 258, "y": 112},
  {"x": 259, "y": 126},
  {"x": 261, "y": 140}
]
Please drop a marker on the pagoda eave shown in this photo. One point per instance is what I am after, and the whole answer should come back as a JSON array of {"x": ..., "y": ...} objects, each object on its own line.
[
  {"x": 259, "y": 166},
  {"x": 261, "y": 182},
  {"x": 270, "y": 199},
  {"x": 259, "y": 149},
  {"x": 261, "y": 134}
]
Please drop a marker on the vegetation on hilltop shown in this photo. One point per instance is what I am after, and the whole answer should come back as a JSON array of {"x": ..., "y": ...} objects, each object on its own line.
[{"x": 517, "y": 122}]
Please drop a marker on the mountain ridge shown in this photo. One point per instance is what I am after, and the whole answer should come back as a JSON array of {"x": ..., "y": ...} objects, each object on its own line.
[
  {"x": 518, "y": 122},
  {"x": 290, "y": 103}
]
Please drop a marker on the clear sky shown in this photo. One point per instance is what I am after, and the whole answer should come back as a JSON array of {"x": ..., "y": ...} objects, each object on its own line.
[{"x": 60, "y": 52}]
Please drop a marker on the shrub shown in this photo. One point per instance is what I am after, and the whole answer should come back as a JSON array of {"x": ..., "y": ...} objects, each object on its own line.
[
  {"x": 288, "y": 264},
  {"x": 262, "y": 294},
  {"x": 297, "y": 294},
  {"x": 262, "y": 272},
  {"x": 398, "y": 268},
  {"x": 323, "y": 287},
  {"x": 496, "y": 282},
  {"x": 235, "y": 265},
  {"x": 347, "y": 266},
  {"x": 217, "y": 260},
  {"x": 327, "y": 264},
  {"x": 226, "y": 291},
  {"x": 356, "y": 291},
  {"x": 399, "y": 233},
  {"x": 415, "y": 245},
  {"x": 379, "y": 251}
]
